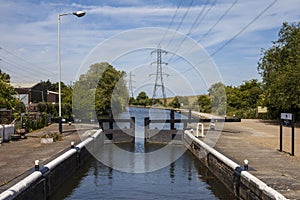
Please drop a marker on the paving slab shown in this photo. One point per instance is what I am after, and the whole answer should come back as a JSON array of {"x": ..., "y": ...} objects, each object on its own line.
[
  {"x": 17, "y": 157},
  {"x": 258, "y": 142}
]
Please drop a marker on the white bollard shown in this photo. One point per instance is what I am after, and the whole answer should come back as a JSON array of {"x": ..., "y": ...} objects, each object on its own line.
[
  {"x": 246, "y": 162},
  {"x": 202, "y": 130},
  {"x": 36, "y": 165}
]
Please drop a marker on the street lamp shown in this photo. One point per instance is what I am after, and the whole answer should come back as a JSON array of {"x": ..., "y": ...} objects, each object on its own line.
[{"x": 78, "y": 14}]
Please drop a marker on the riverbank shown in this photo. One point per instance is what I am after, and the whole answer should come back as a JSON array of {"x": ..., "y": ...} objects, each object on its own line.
[
  {"x": 17, "y": 157},
  {"x": 258, "y": 142}
]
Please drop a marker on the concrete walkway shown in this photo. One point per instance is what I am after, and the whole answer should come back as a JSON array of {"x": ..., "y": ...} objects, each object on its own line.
[
  {"x": 17, "y": 157},
  {"x": 259, "y": 143}
]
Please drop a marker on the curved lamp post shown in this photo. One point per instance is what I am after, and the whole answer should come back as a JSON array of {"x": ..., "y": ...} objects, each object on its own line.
[{"x": 78, "y": 14}]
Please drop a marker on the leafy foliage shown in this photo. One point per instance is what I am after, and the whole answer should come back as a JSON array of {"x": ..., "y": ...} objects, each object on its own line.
[
  {"x": 142, "y": 99},
  {"x": 7, "y": 92},
  {"x": 280, "y": 71},
  {"x": 175, "y": 103},
  {"x": 243, "y": 100},
  {"x": 66, "y": 97},
  {"x": 239, "y": 101},
  {"x": 218, "y": 98},
  {"x": 204, "y": 102},
  {"x": 99, "y": 90}
]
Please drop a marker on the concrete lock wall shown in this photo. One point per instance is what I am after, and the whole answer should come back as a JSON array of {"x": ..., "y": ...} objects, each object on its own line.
[
  {"x": 163, "y": 136},
  {"x": 119, "y": 136},
  {"x": 243, "y": 184},
  {"x": 44, "y": 182}
]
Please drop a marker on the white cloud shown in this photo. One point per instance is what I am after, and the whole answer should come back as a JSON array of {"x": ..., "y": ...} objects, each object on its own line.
[{"x": 32, "y": 27}]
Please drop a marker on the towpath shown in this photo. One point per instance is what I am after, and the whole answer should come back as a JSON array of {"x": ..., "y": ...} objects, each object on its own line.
[
  {"x": 258, "y": 142},
  {"x": 17, "y": 157}
]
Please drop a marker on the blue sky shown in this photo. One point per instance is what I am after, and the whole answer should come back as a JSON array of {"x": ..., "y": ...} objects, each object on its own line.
[{"x": 28, "y": 42}]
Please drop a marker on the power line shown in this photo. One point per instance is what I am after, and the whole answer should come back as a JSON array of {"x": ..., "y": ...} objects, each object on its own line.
[
  {"x": 243, "y": 29},
  {"x": 9, "y": 52},
  {"x": 217, "y": 22},
  {"x": 171, "y": 22},
  {"x": 37, "y": 70},
  {"x": 169, "y": 26},
  {"x": 20, "y": 78},
  {"x": 237, "y": 34},
  {"x": 201, "y": 16},
  {"x": 179, "y": 25},
  {"x": 21, "y": 68},
  {"x": 196, "y": 23}
]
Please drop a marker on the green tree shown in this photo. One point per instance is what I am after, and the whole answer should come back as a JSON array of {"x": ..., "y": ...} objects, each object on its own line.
[
  {"x": 280, "y": 71},
  {"x": 66, "y": 99},
  {"x": 132, "y": 101},
  {"x": 250, "y": 93},
  {"x": 175, "y": 102},
  {"x": 7, "y": 92},
  {"x": 142, "y": 99},
  {"x": 243, "y": 100},
  {"x": 101, "y": 89},
  {"x": 204, "y": 103},
  {"x": 218, "y": 98}
]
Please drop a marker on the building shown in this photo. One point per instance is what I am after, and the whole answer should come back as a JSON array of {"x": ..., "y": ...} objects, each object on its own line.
[
  {"x": 52, "y": 97},
  {"x": 32, "y": 93}
]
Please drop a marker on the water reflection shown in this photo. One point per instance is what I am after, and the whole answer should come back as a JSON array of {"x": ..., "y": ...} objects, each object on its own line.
[{"x": 185, "y": 178}]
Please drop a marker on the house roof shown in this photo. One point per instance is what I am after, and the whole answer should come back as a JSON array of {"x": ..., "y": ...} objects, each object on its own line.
[{"x": 23, "y": 85}]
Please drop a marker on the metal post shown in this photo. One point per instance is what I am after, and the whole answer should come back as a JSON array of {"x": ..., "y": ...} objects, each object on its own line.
[
  {"x": 280, "y": 137},
  {"x": 132, "y": 123},
  {"x": 4, "y": 140},
  {"x": 146, "y": 128},
  {"x": 293, "y": 139},
  {"x": 59, "y": 80},
  {"x": 111, "y": 121},
  {"x": 132, "y": 127},
  {"x": 172, "y": 117},
  {"x": 78, "y": 14},
  {"x": 184, "y": 125}
]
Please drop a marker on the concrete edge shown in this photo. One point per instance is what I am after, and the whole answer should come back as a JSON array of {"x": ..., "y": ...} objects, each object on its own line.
[
  {"x": 24, "y": 184},
  {"x": 21, "y": 186}
]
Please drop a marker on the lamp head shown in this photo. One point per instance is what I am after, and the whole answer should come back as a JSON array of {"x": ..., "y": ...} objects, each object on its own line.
[{"x": 79, "y": 13}]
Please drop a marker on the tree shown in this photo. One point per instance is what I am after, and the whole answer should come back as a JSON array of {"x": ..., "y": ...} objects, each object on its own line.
[
  {"x": 175, "y": 102},
  {"x": 132, "y": 101},
  {"x": 7, "y": 92},
  {"x": 142, "y": 99},
  {"x": 4, "y": 77},
  {"x": 66, "y": 99},
  {"x": 280, "y": 71},
  {"x": 204, "y": 103},
  {"x": 218, "y": 98},
  {"x": 250, "y": 93},
  {"x": 243, "y": 100},
  {"x": 99, "y": 90}
]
